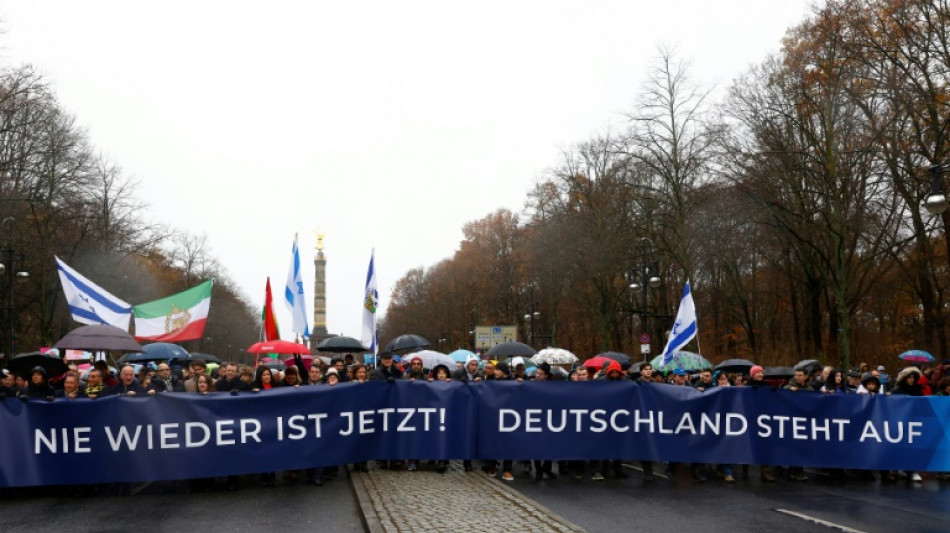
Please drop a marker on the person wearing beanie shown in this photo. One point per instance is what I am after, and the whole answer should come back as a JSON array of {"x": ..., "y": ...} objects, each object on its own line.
[
  {"x": 502, "y": 371},
  {"x": 870, "y": 385}
]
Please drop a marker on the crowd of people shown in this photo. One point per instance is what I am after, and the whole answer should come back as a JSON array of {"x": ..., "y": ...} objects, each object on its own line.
[{"x": 199, "y": 378}]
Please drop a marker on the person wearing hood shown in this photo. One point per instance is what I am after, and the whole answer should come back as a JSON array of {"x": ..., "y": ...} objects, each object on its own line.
[
  {"x": 907, "y": 384},
  {"x": 613, "y": 372},
  {"x": 469, "y": 372},
  {"x": 38, "y": 385}
]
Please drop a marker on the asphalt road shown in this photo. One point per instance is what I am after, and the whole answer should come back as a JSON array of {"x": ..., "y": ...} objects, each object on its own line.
[
  {"x": 749, "y": 505},
  {"x": 602, "y": 506},
  {"x": 163, "y": 507}
]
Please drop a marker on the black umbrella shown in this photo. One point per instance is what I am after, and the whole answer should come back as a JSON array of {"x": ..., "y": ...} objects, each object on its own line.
[
  {"x": 734, "y": 365},
  {"x": 206, "y": 357},
  {"x": 807, "y": 365},
  {"x": 342, "y": 344},
  {"x": 188, "y": 358},
  {"x": 165, "y": 350},
  {"x": 779, "y": 372},
  {"x": 621, "y": 358},
  {"x": 99, "y": 337},
  {"x": 407, "y": 342},
  {"x": 510, "y": 349},
  {"x": 23, "y": 363},
  {"x": 139, "y": 357}
]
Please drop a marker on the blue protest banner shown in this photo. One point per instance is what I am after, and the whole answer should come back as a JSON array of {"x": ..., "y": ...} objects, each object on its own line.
[
  {"x": 623, "y": 420},
  {"x": 184, "y": 436}
]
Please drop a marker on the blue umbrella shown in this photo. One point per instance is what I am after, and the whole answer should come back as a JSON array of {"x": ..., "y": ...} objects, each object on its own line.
[
  {"x": 461, "y": 355},
  {"x": 917, "y": 356}
]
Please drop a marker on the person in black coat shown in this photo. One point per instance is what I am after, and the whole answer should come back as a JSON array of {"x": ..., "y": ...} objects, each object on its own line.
[
  {"x": 38, "y": 385},
  {"x": 127, "y": 385},
  {"x": 231, "y": 380},
  {"x": 7, "y": 384},
  {"x": 386, "y": 369}
]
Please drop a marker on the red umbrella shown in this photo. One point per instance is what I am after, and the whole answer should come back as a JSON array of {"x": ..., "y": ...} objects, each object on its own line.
[
  {"x": 278, "y": 347},
  {"x": 596, "y": 363}
]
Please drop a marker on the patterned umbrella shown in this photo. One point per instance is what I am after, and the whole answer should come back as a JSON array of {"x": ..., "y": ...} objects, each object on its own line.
[
  {"x": 432, "y": 359},
  {"x": 917, "y": 356},
  {"x": 688, "y": 361},
  {"x": 554, "y": 356}
]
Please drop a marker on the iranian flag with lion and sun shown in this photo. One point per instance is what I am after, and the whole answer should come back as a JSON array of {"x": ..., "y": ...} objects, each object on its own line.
[{"x": 179, "y": 317}]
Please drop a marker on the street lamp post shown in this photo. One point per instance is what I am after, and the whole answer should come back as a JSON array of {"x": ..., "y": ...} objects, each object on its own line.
[
  {"x": 530, "y": 316},
  {"x": 643, "y": 276},
  {"x": 12, "y": 268}
]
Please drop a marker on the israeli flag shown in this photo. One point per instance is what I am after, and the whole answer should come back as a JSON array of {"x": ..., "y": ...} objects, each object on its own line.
[
  {"x": 684, "y": 329},
  {"x": 90, "y": 303},
  {"x": 370, "y": 303},
  {"x": 294, "y": 295}
]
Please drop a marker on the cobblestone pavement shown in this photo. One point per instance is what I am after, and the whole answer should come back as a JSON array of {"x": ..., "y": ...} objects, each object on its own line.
[{"x": 426, "y": 501}]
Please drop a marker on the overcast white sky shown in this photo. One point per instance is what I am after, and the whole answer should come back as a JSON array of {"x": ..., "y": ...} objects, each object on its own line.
[{"x": 388, "y": 124}]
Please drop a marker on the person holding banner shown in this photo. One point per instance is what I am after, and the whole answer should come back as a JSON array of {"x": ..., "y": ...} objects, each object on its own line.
[
  {"x": 70, "y": 388},
  {"x": 38, "y": 386},
  {"x": 264, "y": 380},
  {"x": 612, "y": 373},
  {"x": 127, "y": 385},
  {"x": 7, "y": 384},
  {"x": 543, "y": 468}
]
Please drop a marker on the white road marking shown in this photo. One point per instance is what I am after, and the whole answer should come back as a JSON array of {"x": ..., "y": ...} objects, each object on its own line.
[{"x": 826, "y": 523}]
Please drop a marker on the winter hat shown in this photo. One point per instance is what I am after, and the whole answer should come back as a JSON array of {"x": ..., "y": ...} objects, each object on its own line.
[
  {"x": 503, "y": 368},
  {"x": 39, "y": 369},
  {"x": 755, "y": 369},
  {"x": 854, "y": 373},
  {"x": 332, "y": 372},
  {"x": 614, "y": 366},
  {"x": 870, "y": 379},
  {"x": 880, "y": 368},
  {"x": 517, "y": 361},
  {"x": 470, "y": 358},
  {"x": 906, "y": 372}
]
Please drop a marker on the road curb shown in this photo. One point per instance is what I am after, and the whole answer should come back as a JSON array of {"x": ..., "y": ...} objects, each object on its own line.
[{"x": 368, "y": 516}]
